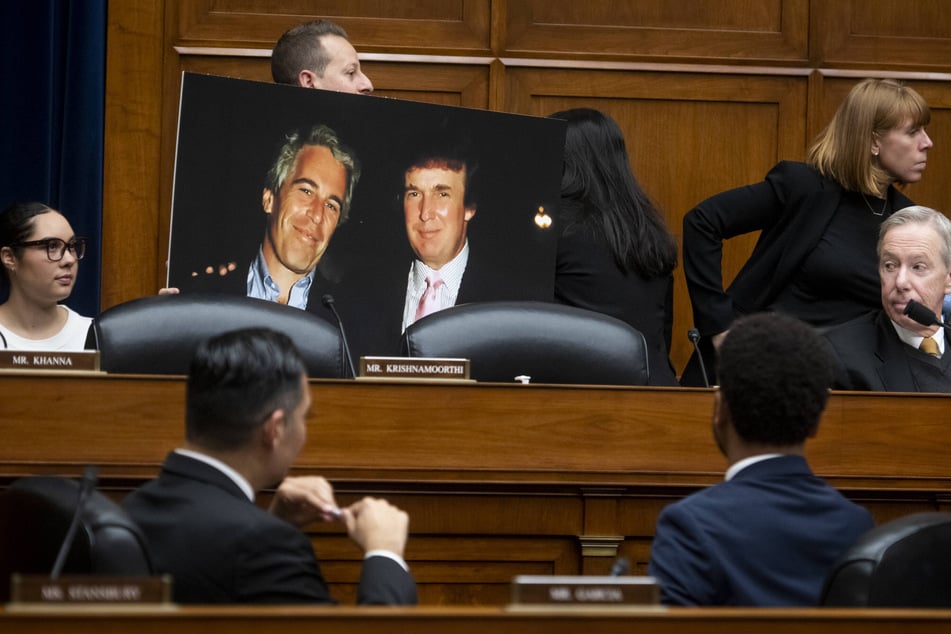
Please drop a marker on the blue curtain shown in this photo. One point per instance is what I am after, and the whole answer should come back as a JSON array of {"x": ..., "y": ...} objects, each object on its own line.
[{"x": 52, "y": 103}]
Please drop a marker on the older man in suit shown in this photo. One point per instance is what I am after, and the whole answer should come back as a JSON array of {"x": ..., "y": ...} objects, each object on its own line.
[
  {"x": 769, "y": 533},
  {"x": 886, "y": 350},
  {"x": 247, "y": 402}
]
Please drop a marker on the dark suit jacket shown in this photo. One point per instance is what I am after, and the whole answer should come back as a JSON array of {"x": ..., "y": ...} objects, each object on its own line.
[
  {"x": 219, "y": 547},
  {"x": 792, "y": 208},
  {"x": 587, "y": 276},
  {"x": 869, "y": 355},
  {"x": 765, "y": 538}
]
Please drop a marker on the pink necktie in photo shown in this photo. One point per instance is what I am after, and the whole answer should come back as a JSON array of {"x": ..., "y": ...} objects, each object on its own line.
[{"x": 428, "y": 303}]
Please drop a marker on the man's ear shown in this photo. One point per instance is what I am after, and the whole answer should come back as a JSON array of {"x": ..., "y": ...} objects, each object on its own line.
[
  {"x": 469, "y": 213},
  {"x": 267, "y": 200},
  {"x": 273, "y": 429},
  {"x": 307, "y": 79},
  {"x": 721, "y": 411}
]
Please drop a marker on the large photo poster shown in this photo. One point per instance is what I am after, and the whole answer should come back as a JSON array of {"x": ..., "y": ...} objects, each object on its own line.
[{"x": 292, "y": 194}]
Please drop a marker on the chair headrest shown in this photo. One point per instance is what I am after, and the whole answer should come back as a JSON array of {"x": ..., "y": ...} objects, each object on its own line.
[
  {"x": 552, "y": 343},
  {"x": 35, "y": 514},
  {"x": 902, "y": 563},
  {"x": 159, "y": 335}
]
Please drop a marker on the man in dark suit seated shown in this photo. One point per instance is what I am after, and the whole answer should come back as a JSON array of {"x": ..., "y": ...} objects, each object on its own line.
[
  {"x": 887, "y": 350},
  {"x": 770, "y": 532},
  {"x": 247, "y": 403}
]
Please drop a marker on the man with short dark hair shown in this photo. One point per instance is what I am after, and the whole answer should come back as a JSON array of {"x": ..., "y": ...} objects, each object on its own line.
[
  {"x": 769, "y": 533},
  {"x": 247, "y": 402},
  {"x": 886, "y": 350},
  {"x": 319, "y": 55}
]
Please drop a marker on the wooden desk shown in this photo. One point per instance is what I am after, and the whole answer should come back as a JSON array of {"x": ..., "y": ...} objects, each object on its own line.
[
  {"x": 499, "y": 480},
  {"x": 267, "y": 620}
]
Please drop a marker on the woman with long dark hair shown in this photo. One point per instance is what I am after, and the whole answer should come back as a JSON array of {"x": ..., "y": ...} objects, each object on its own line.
[{"x": 615, "y": 254}]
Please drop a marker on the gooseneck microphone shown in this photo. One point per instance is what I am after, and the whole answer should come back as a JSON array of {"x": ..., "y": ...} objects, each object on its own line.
[
  {"x": 923, "y": 315},
  {"x": 328, "y": 301},
  {"x": 86, "y": 487},
  {"x": 694, "y": 335},
  {"x": 620, "y": 567}
]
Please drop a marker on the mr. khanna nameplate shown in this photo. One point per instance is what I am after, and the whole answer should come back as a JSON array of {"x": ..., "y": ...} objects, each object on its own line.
[{"x": 87, "y": 360}]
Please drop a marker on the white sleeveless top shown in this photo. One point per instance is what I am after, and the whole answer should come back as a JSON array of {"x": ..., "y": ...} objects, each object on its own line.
[{"x": 72, "y": 337}]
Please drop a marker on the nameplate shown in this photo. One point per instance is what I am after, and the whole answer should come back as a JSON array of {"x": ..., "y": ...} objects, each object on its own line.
[
  {"x": 413, "y": 368},
  {"x": 585, "y": 591},
  {"x": 87, "y": 360},
  {"x": 89, "y": 589}
]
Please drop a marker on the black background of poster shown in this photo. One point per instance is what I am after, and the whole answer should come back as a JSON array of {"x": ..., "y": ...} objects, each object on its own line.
[{"x": 230, "y": 130}]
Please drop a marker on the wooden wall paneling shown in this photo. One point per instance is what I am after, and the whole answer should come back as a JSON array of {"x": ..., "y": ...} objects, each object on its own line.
[
  {"x": 458, "y": 570},
  {"x": 882, "y": 34},
  {"x": 934, "y": 189},
  {"x": 424, "y": 26},
  {"x": 734, "y": 31},
  {"x": 690, "y": 135},
  {"x": 448, "y": 84},
  {"x": 533, "y": 437},
  {"x": 134, "y": 98}
]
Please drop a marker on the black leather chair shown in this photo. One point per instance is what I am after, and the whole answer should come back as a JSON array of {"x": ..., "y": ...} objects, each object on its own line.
[
  {"x": 35, "y": 514},
  {"x": 551, "y": 343},
  {"x": 159, "y": 334},
  {"x": 902, "y": 563}
]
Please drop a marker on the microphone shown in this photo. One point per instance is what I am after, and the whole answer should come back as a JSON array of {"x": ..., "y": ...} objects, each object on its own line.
[
  {"x": 620, "y": 567},
  {"x": 694, "y": 335},
  {"x": 328, "y": 301},
  {"x": 922, "y": 314},
  {"x": 86, "y": 487}
]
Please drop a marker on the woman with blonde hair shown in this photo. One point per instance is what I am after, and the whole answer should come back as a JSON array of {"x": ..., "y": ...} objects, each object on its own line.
[{"x": 815, "y": 258}]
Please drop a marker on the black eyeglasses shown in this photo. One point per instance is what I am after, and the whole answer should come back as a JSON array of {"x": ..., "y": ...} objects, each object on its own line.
[{"x": 56, "y": 248}]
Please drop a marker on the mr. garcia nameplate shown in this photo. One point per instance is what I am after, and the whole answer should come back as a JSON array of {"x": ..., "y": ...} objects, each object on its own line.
[
  {"x": 581, "y": 590},
  {"x": 87, "y": 360},
  {"x": 413, "y": 368}
]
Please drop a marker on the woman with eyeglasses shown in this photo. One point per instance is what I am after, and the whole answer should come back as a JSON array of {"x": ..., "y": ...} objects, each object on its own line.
[{"x": 40, "y": 257}]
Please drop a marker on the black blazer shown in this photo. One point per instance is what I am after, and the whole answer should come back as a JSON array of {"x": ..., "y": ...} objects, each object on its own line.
[
  {"x": 220, "y": 547},
  {"x": 869, "y": 355},
  {"x": 792, "y": 208}
]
